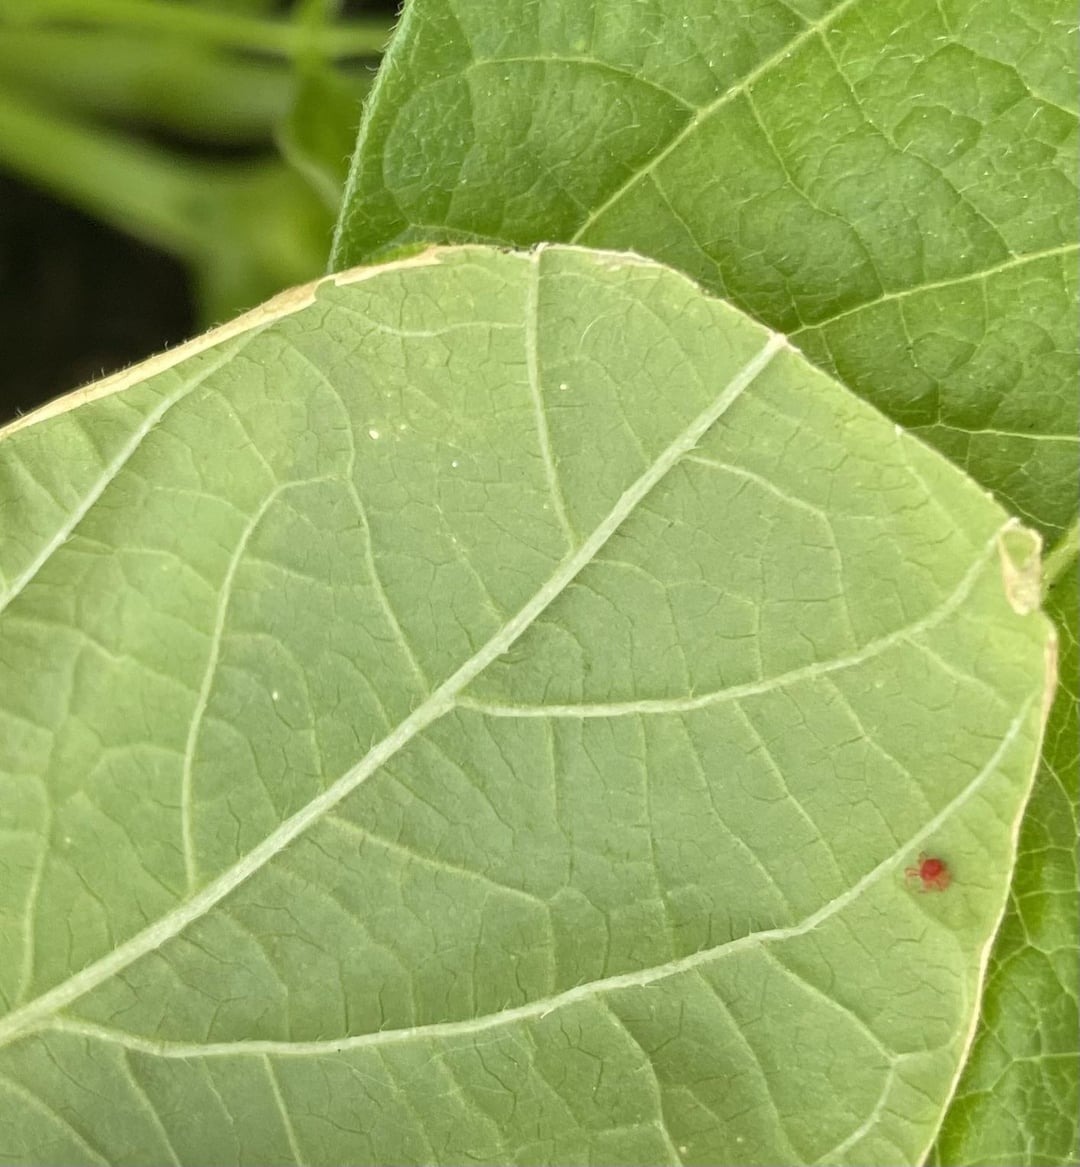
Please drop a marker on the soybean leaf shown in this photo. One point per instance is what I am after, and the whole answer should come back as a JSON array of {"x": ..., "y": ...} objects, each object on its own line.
[
  {"x": 486, "y": 708},
  {"x": 892, "y": 184},
  {"x": 1018, "y": 1101}
]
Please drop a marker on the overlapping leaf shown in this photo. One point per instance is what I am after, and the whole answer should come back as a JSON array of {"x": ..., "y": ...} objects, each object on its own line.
[
  {"x": 484, "y": 709},
  {"x": 894, "y": 184},
  {"x": 891, "y": 184}
]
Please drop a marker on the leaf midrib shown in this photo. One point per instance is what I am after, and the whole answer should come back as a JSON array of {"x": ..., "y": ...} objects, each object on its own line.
[{"x": 441, "y": 701}]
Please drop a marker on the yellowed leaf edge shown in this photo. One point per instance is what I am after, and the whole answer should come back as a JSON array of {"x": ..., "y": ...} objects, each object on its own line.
[{"x": 276, "y": 308}]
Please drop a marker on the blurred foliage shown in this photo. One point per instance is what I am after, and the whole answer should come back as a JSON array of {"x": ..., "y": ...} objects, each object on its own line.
[{"x": 216, "y": 131}]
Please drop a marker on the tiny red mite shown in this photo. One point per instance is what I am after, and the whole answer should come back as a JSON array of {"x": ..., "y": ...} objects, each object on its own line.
[{"x": 933, "y": 874}]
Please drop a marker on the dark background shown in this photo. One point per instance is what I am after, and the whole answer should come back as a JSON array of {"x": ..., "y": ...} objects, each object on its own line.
[{"x": 78, "y": 299}]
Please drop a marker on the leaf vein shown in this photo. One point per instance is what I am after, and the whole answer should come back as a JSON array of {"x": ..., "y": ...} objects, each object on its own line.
[
  {"x": 113, "y": 470},
  {"x": 286, "y": 1121},
  {"x": 689, "y": 704},
  {"x": 441, "y": 701},
  {"x": 638, "y": 979},
  {"x": 532, "y": 361},
  {"x": 707, "y": 111}
]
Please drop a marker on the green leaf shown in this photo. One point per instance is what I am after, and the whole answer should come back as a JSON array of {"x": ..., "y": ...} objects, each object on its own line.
[
  {"x": 892, "y": 184},
  {"x": 1018, "y": 1099},
  {"x": 484, "y": 709},
  {"x": 891, "y": 181}
]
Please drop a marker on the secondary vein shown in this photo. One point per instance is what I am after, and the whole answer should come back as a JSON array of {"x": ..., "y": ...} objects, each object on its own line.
[
  {"x": 441, "y": 701},
  {"x": 538, "y": 1009}
]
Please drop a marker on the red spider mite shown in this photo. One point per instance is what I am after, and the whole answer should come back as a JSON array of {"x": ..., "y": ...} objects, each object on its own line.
[{"x": 933, "y": 874}]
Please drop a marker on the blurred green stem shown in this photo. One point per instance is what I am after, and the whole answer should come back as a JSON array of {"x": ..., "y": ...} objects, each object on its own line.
[
  {"x": 197, "y": 89},
  {"x": 279, "y": 37},
  {"x": 135, "y": 187},
  {"x": 245, "y": 228}
]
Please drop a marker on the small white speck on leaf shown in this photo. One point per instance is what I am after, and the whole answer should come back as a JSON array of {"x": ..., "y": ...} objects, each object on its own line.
[{"x": 373, "y": 434}]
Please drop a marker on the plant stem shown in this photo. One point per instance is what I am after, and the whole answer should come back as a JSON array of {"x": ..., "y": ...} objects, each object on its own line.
[
  {"x": 197, "y": 89},
  {"x": 1060, "y": 558},
  {"x": 142, "y": 190},
  {"x": 278, "y": 37}
]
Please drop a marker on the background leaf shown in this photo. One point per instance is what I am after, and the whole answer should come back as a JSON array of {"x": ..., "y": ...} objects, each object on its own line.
[
  {"x": 891, "y": 184},
  {"x": 436, "y": 724}
]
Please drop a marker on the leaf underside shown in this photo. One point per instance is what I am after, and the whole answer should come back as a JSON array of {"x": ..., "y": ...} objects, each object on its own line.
[
  {"x": 891, "y": 183},
  {"x": 1018, "y": 1099},
  {"x": 485, "y": 708}
]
